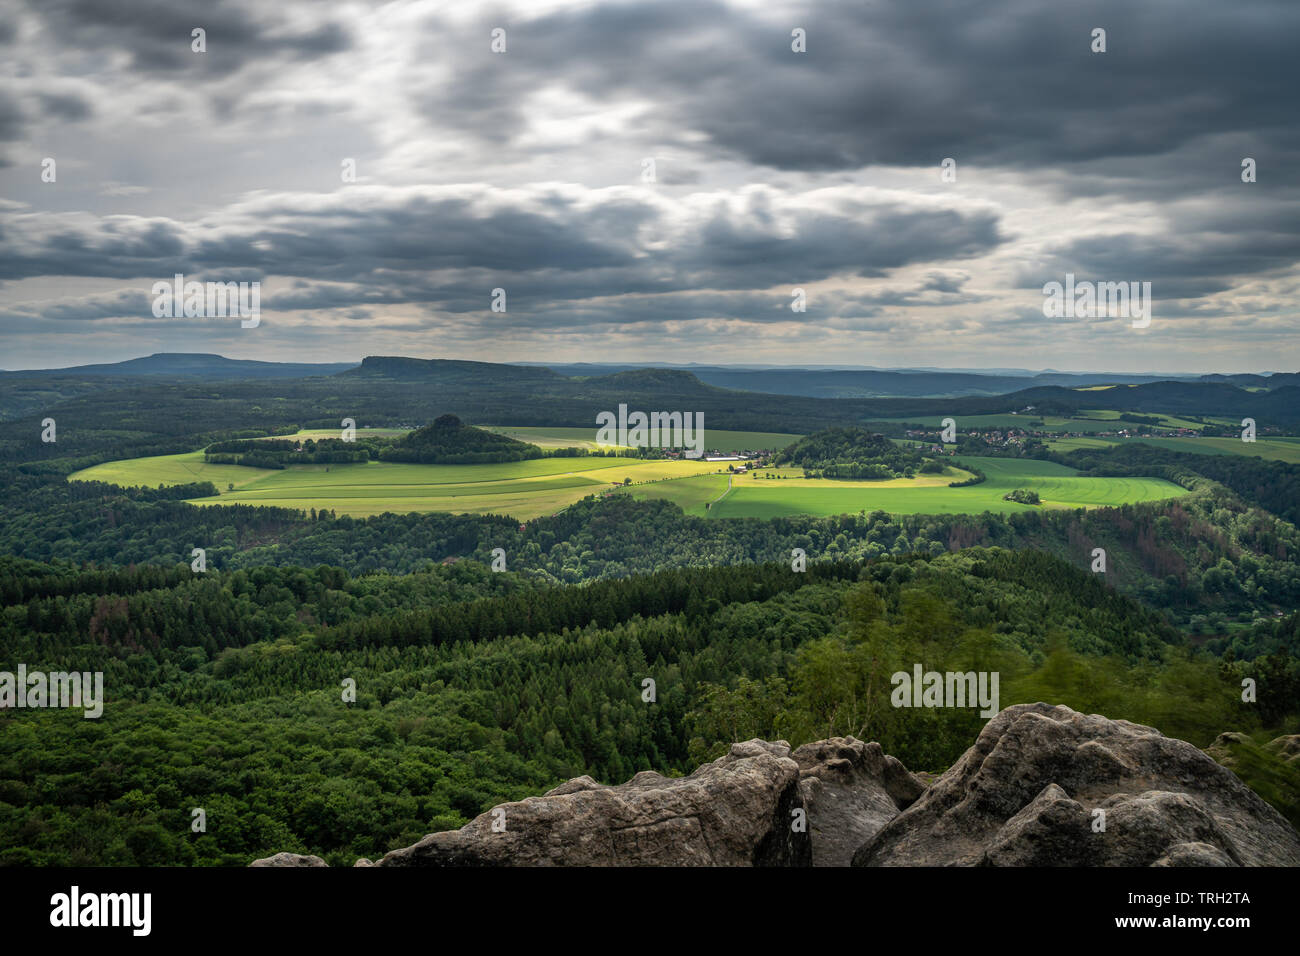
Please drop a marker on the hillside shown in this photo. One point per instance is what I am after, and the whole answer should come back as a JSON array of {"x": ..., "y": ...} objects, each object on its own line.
[
  {"x": 851, "y": 453},
  {"x": 189, "y": 365},
  {"x": 448, "y": 441},
  {"x": 446, "y": 371},
  {"x": 491, "y": 687}
]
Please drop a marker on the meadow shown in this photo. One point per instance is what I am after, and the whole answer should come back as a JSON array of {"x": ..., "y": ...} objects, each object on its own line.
[
  {"x": 524, "y": 489},
  {"x": 319, "y": 433},
  {"x": 1270, "y": 449},
  {"x": 1086, "y": 420},
  {"x": 170, "y": 470},
  {"x": 543, "y": 486},
  {"x": 755, "y": 496},
  {"x": 714, "y": 438}
]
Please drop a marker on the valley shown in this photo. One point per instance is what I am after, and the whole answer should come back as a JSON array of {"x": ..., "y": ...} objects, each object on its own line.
[{"x": 482, "y": 681}]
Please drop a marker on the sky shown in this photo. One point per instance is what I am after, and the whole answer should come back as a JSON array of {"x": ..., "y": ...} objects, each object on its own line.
[{"x": 652, "y": 181}]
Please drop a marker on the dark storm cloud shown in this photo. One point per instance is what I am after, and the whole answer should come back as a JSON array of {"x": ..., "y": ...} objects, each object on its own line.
[
  {"x": 116, "y": 247},
  {"x": 935, "y": 289},
  {"x": 12, "y": 120},
  {"x": 157, "y": 33},
  {"x": 64, "y": 106},
  {"x": 449, "y": 247},
  {"x": 1116, "y": 166},
  {"x": 1010, "y": 83},
  {"x": 1202, "y": 253},
  {"x": 127, "y": 302}
]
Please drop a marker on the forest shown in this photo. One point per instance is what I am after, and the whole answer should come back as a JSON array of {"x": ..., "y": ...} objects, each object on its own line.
[
  {"x": 851, "y": 453},
  {"x": 224, "y": 689}
]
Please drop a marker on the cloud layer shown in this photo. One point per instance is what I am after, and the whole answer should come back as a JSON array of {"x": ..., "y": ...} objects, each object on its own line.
[{"x": 526, "y": 171}]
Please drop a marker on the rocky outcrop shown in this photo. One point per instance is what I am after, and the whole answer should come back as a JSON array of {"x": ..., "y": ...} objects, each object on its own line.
[
  {"x": 1042, "y": 786},
  {"x": 851, "y": 790},
  {"x": 736, "y": 811},
  {"x": 289, "y": 859},
  {"x": 1029, "y": 791}
]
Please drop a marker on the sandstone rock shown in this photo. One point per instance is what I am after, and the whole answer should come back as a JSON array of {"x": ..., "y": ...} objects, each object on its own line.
[
  {"x": 289, "y": 859},
  {"x": 850, "y": 789},
  {"x": 735, "y": 811},
  {"x": 1026, "y": 792},
  {"x": 1193, "y": 854}
]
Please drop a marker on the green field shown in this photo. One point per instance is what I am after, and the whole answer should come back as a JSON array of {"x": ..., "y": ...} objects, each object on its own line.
[
  {"x": 1064, "y": 445},
  {"x": 524, "y": 489},
  {"x": 1086, "y": 420},
  {"x": 753, "y": 496},
  {"x": 690, "y": 494},
  {"x": 555, "y": 437},
  {"x": 966, "y": 423},
  {"x": 319, "y": 433},
  {"x": 1272, "y": 449},
  {"x": 170, "y": 470},
  {"x": 543, "y": 486}
]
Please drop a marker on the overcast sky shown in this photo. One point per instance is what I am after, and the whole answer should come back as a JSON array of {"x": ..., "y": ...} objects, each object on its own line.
[{"x": 773, "y": 170}]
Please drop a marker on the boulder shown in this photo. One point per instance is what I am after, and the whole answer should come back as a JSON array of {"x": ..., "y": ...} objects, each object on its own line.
[
  {"x": 850, "y": 789},
  {"x": 1027, "y": 794},
  {"x": 736, "y": 811},
  {"x": 289, "y": 859}
]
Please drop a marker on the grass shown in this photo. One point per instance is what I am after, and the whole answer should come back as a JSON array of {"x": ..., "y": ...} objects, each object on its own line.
[
  {"x": 319, "y": 433},
  {"x": 1074, "y": 444},
  {"x": 525, "y": 489},
  {"x": 1272, "y": 449},
  {"x": 170, "y": 470},
  {"x": 555, "y": 437},
  {"x": 753, "y": 496},
  {"x": 544, "y": 486},
  {"x": 1085, "y": 420},
  {"x": 690, "y": 494},
  {"x": 967, "y": 423}
]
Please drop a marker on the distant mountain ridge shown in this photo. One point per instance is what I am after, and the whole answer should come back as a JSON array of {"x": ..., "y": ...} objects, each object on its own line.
[
  {"x": 397, "y": 390},
  {"x": 808, "y": 382},
  {"x": 191, "y": 365},
  {"x": 400, "y": 368},
  {"x": 909, "y": 383}
]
